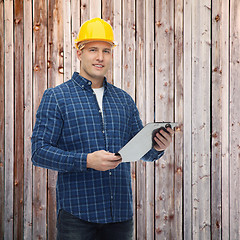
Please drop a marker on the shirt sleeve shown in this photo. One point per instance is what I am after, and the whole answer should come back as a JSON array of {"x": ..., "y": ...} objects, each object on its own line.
[
  {"x": 46, "y": 133},
  {"x": 152, "y": 154}
]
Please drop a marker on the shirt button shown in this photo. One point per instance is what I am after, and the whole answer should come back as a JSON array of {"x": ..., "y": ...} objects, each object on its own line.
[
  {"x": 110, "y": 173},
  {"x": 82, "y": 86},
  {"x": 112, "y": 197},
  {"x": 89, "y": 83},
  {"x": 102, "y": 131}
]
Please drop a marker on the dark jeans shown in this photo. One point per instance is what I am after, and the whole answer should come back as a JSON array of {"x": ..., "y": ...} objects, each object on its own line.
[{"x": 70, "y": 227}]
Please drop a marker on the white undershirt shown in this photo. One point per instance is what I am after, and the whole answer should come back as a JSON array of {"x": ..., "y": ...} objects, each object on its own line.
[{"x": 99, "y": 95}]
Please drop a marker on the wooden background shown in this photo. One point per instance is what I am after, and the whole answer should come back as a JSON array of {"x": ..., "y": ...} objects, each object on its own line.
[{"x": 180, "y": 61}]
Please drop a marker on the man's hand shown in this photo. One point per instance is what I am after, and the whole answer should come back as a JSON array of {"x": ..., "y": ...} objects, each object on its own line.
[
  {"x": 102, "y": 160},
  {"x": 163, "y": 139}
]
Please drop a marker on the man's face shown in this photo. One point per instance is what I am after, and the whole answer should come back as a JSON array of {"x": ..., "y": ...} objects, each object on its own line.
[{"x": 96, "y": 58}]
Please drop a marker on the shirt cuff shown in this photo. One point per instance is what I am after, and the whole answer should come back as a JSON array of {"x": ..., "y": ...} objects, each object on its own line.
[
  {"x": 156, "y": 153},
  {"x": 81, "y": 162}
]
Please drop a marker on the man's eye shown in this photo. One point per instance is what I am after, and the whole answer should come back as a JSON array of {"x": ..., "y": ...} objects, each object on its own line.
[
  {"x": 92, "y": 50},
  {"x": 106, "y": 51}
]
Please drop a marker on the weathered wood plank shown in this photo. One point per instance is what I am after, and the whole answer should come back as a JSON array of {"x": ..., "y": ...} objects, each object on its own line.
[
  {"x": 224, "y": 60},
  {"x": 107, "y": 15},
  {"x": 234, "y": 129},
  {"x": 85, "y": 10},
  {"x": 18, "y": 120},
  {"x": 128, "y": 73},
  {"x": 55, "y": 43},
  {"x": 67, "y": 63},
  {"x": 201, "y": 19},
  {"x": 55, "y": 77},
  {"x": 95, "y": 8},
  {"x": 164, "y": 109},
  {"x": 179, "y": 108},
  {"x": 149, "y": 42},
  {"x": 75, "y": 10},
  {"x": 2, "y": 120},
  {"x": 187, "y": 124},
  {"x": 40, "y": 84},
  {"x": 28, "y": 115},
  {"x": 141, "y": 104},
  {"x": 9, "y": 120},
  {"x": 117, "y": 51},
  {"x": 220, "y": 121}
]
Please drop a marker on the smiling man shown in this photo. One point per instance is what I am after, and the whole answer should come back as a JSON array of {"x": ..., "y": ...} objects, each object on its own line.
[{"x": 80, "y": 124}]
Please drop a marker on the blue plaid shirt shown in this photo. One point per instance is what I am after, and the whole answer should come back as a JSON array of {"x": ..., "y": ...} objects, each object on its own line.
[{"x": 69, "y": 125}]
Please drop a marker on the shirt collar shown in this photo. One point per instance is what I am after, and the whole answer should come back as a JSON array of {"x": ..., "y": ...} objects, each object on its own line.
[{"x": 85, "y": 83}]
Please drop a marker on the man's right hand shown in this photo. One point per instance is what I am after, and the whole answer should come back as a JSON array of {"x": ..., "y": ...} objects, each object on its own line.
[{"x": 102, "y": 160}]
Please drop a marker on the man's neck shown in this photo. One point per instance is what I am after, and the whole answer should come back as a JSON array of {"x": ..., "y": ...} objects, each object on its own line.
[{"x": 96, "y": 83}]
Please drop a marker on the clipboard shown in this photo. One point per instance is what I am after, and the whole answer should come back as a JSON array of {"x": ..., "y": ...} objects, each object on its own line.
[{"x": 142, "y": 142}]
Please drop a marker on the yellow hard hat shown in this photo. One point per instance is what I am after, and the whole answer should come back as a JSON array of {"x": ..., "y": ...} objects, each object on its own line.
[{"x": 95, "y": 29}]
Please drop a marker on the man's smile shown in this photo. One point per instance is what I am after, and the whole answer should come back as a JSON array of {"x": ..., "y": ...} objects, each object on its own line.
[{"x": 98, "y": 65}]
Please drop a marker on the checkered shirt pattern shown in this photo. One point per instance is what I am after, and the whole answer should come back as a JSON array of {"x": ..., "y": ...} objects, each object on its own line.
[{"x": 69, "y": 125}]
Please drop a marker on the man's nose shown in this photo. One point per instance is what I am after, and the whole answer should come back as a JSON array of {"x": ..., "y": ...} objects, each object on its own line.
[{"x": 100, "y": 56}]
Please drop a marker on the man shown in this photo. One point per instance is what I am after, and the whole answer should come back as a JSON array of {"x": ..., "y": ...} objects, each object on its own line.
[{"x": 80, "y": 125}]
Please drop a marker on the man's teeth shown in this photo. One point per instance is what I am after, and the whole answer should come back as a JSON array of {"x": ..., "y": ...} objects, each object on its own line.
[{"x": 98, "y": 65}]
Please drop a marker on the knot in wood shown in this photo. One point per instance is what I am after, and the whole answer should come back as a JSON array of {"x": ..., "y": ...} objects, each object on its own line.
[
  {"x": 179, "y": 170},
  {"x": 60, "y": 70},
  {"x": 217, "y": 18},
  {"x": 83, "y": 6},
  {"x": 159, "y": 24},
  {"x": 158, "y": 230},
  {"x": 36, "y": 27},
  {"x": 61, "y": 53},
  {"x": 17, "y": 20},
  {"x": 36, "y": 68},
  {"x": 49, "y": 65}
]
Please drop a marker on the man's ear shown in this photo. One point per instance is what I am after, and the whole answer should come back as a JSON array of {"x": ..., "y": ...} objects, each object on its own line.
[{"x": 79, "y": 53}]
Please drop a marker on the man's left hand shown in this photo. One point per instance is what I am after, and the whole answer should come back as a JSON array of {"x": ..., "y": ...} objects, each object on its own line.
[{"x": 163, "y": 139}]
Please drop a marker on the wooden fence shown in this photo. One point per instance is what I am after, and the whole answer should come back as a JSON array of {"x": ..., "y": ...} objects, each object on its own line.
[{"x": 180, "y": 61}]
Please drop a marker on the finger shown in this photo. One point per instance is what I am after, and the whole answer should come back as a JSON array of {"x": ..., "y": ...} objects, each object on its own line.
[
  {"x": 163, "y": 136},
  {"x": 170, "y": 130},
  {"x": 113, "y": 164},
  {"x": 165, "y": 142},
  {"x": 115, "y": 160},
  {"x": 113, "y": 157},
  {"x": 159, "y": 142}
]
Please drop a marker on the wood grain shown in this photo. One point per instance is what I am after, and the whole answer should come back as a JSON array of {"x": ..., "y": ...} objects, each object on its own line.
[
  {"x": 9, "y": 122},
  {"x": 28, "y": 120},
  {"x": 187, "y": 123},
  {"x": 18, "y": 119},
  {"x": 149, "y": 52},
  {"x": 179, "y": 109},
  {"x": 234, "y": 120},
  {"x": 220, "y": 121},
  {"x": 164, "y": 111},
  {"x": 141, "y": 104},
  {"x": 39, "y": 85},
  {"x": 2, "y": 118},
  {"x": 201, "y": 119}
]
